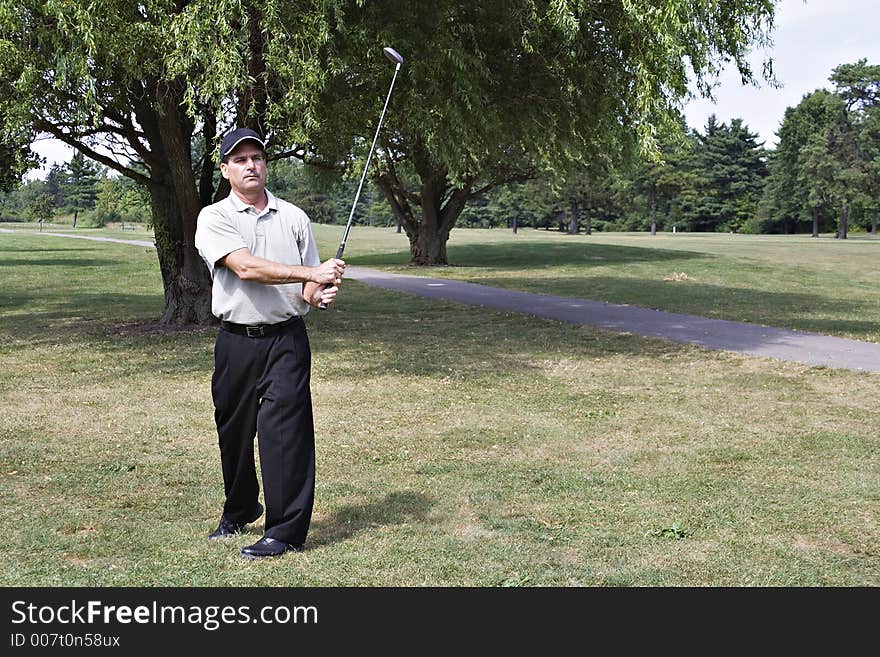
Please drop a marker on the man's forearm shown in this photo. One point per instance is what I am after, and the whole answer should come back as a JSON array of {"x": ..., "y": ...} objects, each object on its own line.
[{"x": 249, "y": 267}]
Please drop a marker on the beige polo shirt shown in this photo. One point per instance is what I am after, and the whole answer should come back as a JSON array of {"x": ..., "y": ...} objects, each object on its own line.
[{"x": 281, "y": 233}]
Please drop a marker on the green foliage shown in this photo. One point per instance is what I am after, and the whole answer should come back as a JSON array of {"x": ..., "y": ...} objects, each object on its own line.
[
  {"x": 295, "y": 182},
  {"x": 535, "y": 85},
  {"x": 556, "y": 87},
  {"x": 710, "y": 182},
  {"x": 81, "y": 183},
  {"x": 73, "y": 188},
  {"x": 41, "y": 208},
  {"x": 15, "y": 160},
  {"x": 21, "y": 202},
  {"x": 13, "y": 205},
  {"x": 326, "y": 196},
  {"x": 118, "y": 200},
  {"x": 825, "y": 171},
  {"x": 491, "y": 94},
  {"x": 653, "y": 192},
  {"x": 225, "y": 55},
  {"x": 731, "y": 167},
  {"x": 530, "y": 203},
  {"x": 56, "y": 180},
  {"x": 858, "y": 85}
]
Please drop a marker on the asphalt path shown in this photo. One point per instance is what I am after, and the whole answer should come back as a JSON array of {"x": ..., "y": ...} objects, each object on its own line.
[{"x": 741, "y": 337}]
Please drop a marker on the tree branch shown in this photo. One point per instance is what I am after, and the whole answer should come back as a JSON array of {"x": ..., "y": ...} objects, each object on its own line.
[{"x": 70, "y": 140}]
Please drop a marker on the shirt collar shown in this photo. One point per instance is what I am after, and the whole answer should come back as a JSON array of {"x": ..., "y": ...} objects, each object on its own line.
[{"x": 240, "y": 206}]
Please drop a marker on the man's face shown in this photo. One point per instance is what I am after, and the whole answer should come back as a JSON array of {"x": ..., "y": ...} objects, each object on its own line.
[{"x": 245, "y": 169}]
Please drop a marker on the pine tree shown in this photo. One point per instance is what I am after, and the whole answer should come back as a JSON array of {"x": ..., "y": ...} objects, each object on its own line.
[{"x": 732, "y": 166}]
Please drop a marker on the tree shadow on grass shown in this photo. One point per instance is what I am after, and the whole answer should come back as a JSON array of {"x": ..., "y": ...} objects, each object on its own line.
[
  {"x": 77, "y": 263},
  {"x": 532, "y": 255},
  {"x": 50, "y": 315},
  {"x": 24, "y": 254},
  {"x": 394, "y": 509}
]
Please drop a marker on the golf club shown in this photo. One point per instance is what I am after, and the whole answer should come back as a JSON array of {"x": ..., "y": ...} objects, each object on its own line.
[{"x": 395, "y": 58}]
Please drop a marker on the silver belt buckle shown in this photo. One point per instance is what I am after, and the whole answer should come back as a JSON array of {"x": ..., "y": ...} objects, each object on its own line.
[{"x": 254, "y": 331}]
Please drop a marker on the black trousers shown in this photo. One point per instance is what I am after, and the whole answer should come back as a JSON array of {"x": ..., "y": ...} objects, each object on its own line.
[{"x": 261, "y": 386}]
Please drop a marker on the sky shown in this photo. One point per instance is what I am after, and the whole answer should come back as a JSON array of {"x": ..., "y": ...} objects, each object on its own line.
[{"x": 810, "y": 38}]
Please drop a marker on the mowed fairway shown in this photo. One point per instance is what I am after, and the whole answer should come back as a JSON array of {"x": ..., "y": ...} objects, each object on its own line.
[{"x": 456, "y": 446}]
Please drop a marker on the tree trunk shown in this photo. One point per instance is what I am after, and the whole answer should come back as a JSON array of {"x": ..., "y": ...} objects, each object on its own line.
[
  {"x": 874, "y": 223},
  {"x": 206, "y": 175},
  {"x": 187, "y": 282},
  {"x": 588, "y": 214},
  {"x": 440, "y": 206},
  {"x": 175, "y": 203},
  {"x": 574, "y": 218},
  {"x": 428, "y": 244},
  {"x": 652, "y": 196},
  {"x": 428, "y": 247},
  {"x": 815, "y": 213},
  {"x": 428, "y": 237},
  {"x": 515, "y": 224},
  {"x": 844, "y": 218}
]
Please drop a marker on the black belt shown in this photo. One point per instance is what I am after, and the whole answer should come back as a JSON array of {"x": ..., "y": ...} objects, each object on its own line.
[{"x": 257, "y": 330}]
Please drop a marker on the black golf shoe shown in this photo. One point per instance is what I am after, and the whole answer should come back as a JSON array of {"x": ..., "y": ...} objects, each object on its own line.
[
  {"x": 269, "y": 547},
  {"x": 228, "y": 528}
]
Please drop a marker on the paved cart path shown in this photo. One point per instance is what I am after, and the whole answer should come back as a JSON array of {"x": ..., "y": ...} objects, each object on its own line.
[{"x": 742, "y": 337}]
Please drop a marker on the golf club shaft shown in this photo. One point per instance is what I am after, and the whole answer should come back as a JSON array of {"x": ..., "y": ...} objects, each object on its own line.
[{"x": 357, "y": 196}]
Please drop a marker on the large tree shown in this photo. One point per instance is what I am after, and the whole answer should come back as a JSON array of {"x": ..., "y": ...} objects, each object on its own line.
[
  {"x": 93, "y": 77},
  {"x": 81, "y": 184},
  {"x": 659, "y": 185},
  {"x": 798, "y": 191},
  {"x": 732, "y": 168},
  {"x": 858, "y": 86},
  {"x": 495, "y": 91},
  {"x": 826, "y": 166}
]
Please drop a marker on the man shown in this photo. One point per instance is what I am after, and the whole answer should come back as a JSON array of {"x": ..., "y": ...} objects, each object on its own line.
[{"x": 266, "y": 276}]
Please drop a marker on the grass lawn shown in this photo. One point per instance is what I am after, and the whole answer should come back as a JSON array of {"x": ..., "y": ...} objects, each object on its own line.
[{"x": 456, "y": 447}]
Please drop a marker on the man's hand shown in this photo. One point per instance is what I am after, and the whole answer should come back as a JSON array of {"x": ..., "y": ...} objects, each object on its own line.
[
  {"x": 323, "y": 296},
  {"x": 329, "y": 272},
  {"x": 321, "y": 290}
]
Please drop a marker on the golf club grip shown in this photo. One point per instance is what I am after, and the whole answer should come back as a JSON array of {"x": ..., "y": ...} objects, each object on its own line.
[{"x": 339, "y": 251}]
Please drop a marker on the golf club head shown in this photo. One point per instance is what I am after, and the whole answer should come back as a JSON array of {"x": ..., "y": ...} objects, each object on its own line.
[{"x": 393, "y": 56}]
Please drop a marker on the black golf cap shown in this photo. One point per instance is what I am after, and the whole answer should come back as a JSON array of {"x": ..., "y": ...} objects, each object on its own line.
[{"x": 237, "y": 136}]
